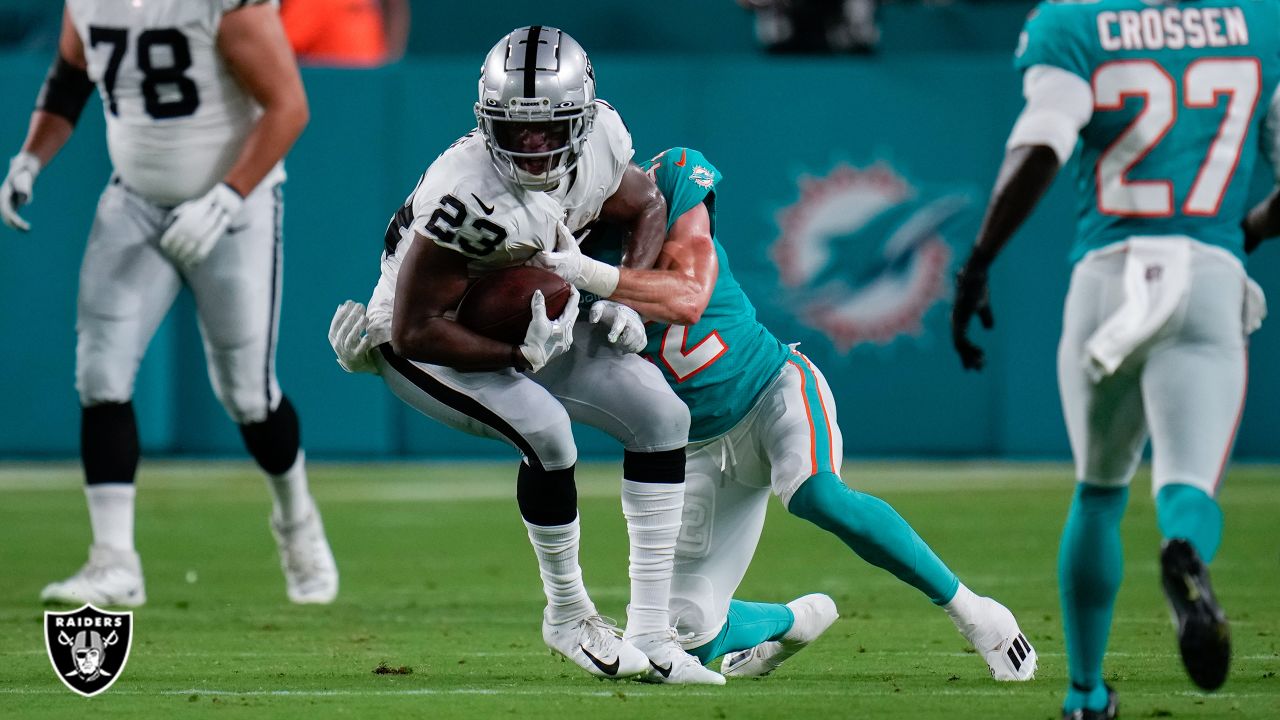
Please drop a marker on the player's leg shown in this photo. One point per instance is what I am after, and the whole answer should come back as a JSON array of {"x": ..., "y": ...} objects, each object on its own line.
[
  {"x": 126, "y": 288},
  {"x": 509, "y": 407},
  {"x": 1194, "y": 389},
  {"x": 626, "y": 397},
  {"x": 724, "y": 512},
  {"x": 806, "y": 447},
  {"x": 237, "y": 292},
  {"x": 1107, "y": 430}
]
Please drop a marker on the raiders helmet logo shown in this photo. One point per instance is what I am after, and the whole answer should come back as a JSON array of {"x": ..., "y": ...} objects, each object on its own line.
[{"x": 88, "y": 647}]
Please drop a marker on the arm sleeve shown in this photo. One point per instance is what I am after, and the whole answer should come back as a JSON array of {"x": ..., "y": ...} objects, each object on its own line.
[{"x": 1059, "y": 104}]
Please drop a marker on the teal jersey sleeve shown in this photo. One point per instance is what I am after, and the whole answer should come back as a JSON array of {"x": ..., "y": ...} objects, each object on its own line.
[
  {"x": 1056, "y": 33},
  {"x": 686, "y": 178}
]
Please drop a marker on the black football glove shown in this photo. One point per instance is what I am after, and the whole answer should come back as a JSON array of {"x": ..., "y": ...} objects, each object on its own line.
[{"x": 972, "y": 297}]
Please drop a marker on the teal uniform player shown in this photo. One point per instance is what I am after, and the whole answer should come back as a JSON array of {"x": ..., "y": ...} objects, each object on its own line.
[
  {"x": 1170, "y": 106},
  {"x": 763, "y": 421}
]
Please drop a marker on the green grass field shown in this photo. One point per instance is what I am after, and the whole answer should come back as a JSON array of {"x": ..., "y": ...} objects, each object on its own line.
[{"x": 438, "y": 576}]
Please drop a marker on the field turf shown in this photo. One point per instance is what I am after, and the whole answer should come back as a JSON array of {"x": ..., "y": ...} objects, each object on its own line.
[{"x": 438, "y": 578}]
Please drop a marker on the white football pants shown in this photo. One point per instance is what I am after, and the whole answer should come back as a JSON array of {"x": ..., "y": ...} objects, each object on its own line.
[
  {"x": 127, "y": 287},
  {"x": 1184, "y": 387}
]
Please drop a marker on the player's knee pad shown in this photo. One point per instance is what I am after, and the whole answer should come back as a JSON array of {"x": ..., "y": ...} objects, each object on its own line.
[
  {"x": 103, "y": 376},
  {"x": 693, "y": 607},
  {"x": 552, "y": 444},
  {"x": 661, "y": 424},
  {"x": 244, "y": 399},
  {"x": 275, "y": 441},
  {"x": 109, "y": 443}
]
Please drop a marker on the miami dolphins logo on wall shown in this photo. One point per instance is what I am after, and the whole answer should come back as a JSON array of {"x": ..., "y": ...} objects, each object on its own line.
[{"x": 863, "y": 252}]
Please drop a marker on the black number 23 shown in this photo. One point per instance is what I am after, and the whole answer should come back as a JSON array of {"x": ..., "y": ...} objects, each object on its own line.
[
  {"x": 184, "y": 97},
  {"x": 479, "y": 238}
]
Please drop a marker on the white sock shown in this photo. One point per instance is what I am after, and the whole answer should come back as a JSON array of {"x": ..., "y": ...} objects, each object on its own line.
[
  {"x": 111, "y": 514},
  {"x": 964, "y": 607},
  {"x": 289, "y": 492},
  {"x": 653, "y": 522},
  {"x": 556, "y": 547}
]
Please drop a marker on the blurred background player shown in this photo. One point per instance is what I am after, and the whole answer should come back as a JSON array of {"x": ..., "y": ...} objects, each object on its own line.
[
  {"x": 202, "y": 102},
  {"x": 346, "y": 33},
  {"x": 1171, "y": 106},
  {"x": 546, "y": 160},
  {"x": 762, "y": 420}
]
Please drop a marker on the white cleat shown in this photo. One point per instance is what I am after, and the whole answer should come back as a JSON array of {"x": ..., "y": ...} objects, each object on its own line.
[
  {"x": 594, "y": 644},
  {"x": 814, "y": 614},
  {"x": 310, "y": 574},
  {"x": 996, "y": 635},
  {"x": 111, "y": 577},
  {"x": 668, "y": 663}
]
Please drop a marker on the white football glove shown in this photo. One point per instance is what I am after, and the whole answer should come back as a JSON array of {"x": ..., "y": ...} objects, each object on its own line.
[
  {"x": 346, "y": 335},
  {"x": 580, "y": 271},
  {"x": 16, "y": 191},
  {"x": 546, "y": 338},
  {"x": 626, "y": 329},
  {"x": 196, "y": 225}
]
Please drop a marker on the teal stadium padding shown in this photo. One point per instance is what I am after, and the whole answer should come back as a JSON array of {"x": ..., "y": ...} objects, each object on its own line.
[{"x": 935, "y": 122}]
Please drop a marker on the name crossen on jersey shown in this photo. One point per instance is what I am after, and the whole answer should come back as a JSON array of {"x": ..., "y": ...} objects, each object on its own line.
[{"x": 1172, "y": 28}]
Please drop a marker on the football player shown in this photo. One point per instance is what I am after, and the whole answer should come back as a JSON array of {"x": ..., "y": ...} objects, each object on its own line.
[
  {"x": 763, "y": 422},
  {"x": 546, "y": 159},
  {"x": 202, "y": 100},
  {"x": 1170, "y": 105}
]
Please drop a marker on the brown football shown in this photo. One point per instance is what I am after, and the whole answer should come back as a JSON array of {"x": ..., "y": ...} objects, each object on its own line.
[{"x": 497, "y": 303}]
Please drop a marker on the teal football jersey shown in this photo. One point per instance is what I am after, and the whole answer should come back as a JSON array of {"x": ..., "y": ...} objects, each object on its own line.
[
  {"x": 1180, "y": 93},
  {"x": 721, "y": 364}
]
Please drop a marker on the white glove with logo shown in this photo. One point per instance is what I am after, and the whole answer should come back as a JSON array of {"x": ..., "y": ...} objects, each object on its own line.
[
  {"x": 346, "y": 335},
  {"x": 626, "y": 329},
  {"x": 16, "y": 191},
  {"x": 546, "y": 338},
  {"x": 196, "y": 225},
  {"x": 578, "y": 270}
]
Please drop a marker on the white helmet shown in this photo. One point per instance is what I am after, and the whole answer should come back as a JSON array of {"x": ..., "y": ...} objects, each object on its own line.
[{"x": 536, "y": 81}]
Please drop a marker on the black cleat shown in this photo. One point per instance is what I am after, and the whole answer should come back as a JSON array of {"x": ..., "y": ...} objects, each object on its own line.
[
  {"x": 1110, "y": 712},
  {"x": 1203, "y": 635}
]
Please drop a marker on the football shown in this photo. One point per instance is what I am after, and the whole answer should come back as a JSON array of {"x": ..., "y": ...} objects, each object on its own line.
[{"x": 497, "y": 304}]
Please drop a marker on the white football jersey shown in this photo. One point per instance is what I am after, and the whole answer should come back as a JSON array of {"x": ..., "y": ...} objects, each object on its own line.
[
  {"x": 176, "y": 116},
  {"x": 462, "y": 203}
]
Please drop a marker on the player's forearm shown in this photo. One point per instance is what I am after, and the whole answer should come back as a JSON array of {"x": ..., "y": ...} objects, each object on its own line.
[
  {"x": 272, "y": 136},
  {"x": 441, "y": 341},
  {"x": 1263, "y": 221},
  {"x": 661, "y": 295},
  {"x": 46, "y": 135},
  {"x": 1025, "y": 175}
]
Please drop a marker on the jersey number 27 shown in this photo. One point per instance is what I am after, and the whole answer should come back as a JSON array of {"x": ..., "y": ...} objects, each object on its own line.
[{"x": 1204, "y": 81}]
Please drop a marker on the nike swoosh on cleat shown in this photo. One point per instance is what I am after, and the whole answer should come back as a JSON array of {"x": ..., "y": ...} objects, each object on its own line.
[
  {"x": 606, "y": 668},
  {"x": 488, "y": 209},
  {"x": 663, "y": 671}
]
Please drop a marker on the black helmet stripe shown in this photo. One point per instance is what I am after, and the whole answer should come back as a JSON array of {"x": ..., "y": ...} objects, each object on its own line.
[{"x": 531, "y": 60}]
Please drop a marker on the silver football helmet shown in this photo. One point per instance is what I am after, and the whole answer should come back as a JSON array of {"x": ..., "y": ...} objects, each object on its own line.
[{"x": 536, "y": 106}]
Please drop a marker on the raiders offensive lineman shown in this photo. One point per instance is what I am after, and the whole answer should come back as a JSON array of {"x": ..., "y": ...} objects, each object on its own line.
[
  {"x": 546, "y": 159},
  {"x": 202, "y": 100}
]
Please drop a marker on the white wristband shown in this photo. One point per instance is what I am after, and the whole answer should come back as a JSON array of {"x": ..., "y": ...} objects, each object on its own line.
[{"x": 598, "y": 278}]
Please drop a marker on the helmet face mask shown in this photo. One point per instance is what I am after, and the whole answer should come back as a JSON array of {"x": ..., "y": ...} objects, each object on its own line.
[{"x": 536, "y": 105}]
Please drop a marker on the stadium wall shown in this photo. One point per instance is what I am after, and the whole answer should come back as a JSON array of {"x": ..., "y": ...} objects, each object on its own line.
[{"x": 852, "y": 189}]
